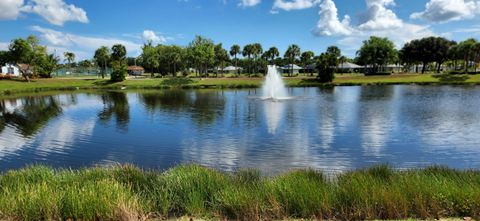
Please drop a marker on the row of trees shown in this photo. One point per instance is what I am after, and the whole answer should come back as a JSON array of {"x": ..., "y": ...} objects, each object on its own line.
[
  {"x": 431, "y": 51},
  {"x": 202, "y": 55}
]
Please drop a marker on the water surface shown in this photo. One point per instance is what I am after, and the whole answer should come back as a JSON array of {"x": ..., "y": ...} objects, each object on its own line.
[{"x": 328, "y": 129}]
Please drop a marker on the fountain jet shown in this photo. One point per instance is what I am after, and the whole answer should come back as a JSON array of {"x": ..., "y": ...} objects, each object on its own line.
[{"x": 274, "y": 87}]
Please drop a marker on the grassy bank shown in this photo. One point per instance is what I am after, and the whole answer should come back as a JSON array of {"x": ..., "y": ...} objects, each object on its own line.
[
  {"x": 19, "y": 86},
  {"x": 126, "y": 192}
]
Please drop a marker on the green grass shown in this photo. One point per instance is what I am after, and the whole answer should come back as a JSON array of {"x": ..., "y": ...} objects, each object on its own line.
[
  {"x": 127, "y": 192},
  {"x": 8, "y": 87}
]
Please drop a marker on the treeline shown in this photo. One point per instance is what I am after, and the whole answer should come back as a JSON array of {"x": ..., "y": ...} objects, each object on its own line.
[{"x": 204, "y": 57}]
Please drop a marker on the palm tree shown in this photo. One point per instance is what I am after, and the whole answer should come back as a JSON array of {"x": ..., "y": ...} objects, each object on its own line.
[
  {"x": 234, "y": 50},
  {"x": 257, "y": 51},
  {"x": 69, "y": 58},
  {"x": 271, "y": 54},
  {"x": 292, "y": 53},
  {"x": 248, "y": 51},
  {"x": 306, "y": 58},
  {"x": 102, "y": 56}
]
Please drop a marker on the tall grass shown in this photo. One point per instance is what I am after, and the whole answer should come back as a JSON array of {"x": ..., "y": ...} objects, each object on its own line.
[{"x": 129, "y": 193}]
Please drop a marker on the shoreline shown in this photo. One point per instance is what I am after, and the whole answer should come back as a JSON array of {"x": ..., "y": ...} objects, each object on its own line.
[
  {"x": 126, "y": 192},
  {"x": 12, "y": 87}
]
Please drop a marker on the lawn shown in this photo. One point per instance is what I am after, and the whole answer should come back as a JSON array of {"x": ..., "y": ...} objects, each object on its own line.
[{"x": 36, "y": 85}]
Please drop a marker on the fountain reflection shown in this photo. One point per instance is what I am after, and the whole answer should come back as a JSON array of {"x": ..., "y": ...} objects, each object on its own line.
[{"x": 274, "y": 113}]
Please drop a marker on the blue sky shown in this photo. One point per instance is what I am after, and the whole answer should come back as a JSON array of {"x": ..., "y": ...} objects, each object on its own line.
[{"x": 82, "y": 26}]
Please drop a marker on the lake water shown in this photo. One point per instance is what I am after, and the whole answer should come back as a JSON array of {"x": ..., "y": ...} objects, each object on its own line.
[{"x": 327, "y": 129}]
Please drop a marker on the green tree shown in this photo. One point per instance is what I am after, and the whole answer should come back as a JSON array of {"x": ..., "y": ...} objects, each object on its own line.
[
  {"x": 119, "y": 63},
  {"x": 306, "y": 58},
  {"x": 257, "y": 52},
  {"x": 4, "y": 57},
  {"x": 248, "y": 51},
  {"x": 325, "y": 65},
  {"x": 376, "y": 52},
  {"x": 469, "y": 52},
  {"x": 271, "y": 54},
  {"x": 293, "y": 51},
  {"x": 46, "y": 65},
  {"x": 69, "y": 58},
  {"x": 234, "y": 51},
  {"x": 26, "y": 51},
  {"x": 150, "y": 58},
  {"x": 102, "y": 57},
  {"x": 201, "y": 54},
  {"x": 221, "y": 56},
  {"x": 425, "y": 51},
  {"x": 174, "y": 56}
]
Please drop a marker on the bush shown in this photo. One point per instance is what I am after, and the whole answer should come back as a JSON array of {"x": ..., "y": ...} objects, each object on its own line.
[{"x": 119, "y": 71}]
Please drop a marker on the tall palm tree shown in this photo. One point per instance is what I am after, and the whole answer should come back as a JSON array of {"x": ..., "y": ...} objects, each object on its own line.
[
  {"x": 293, "y": 51},
  {"x": 102, "y": 56},
  {"x": 248, "y": 51},
  {"x": 257, "y": 51},
  {"x": 306, "y": 58},
  {"x": 272, "y": 53},
  {"x": 69, "y": 58},
  {"x": 234, "y": 50}
]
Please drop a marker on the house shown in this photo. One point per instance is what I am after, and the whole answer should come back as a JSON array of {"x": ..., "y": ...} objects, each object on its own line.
[
  {"x": 288, "y": 69},
  {"x": 135, "y": 70},
  {"x": 10, "y": 70},
  {"x": 347, "y": 67},
  {"x": 232, "y": 70}
]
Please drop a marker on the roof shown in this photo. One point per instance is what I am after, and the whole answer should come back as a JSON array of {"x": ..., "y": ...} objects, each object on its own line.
[
  {"x": 348, "y": 65},
  {"x": 289, "y": 67},
  {"x": 232, "y": 68},
  {"x": 135, "y": 68},
  {"x": 23, "y": 66}
]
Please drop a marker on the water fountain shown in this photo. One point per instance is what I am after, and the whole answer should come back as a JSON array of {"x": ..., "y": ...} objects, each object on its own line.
[{"x": 273, "y": 87}]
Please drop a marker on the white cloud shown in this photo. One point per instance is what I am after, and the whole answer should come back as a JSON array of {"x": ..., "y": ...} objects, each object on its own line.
[
  {"x": 448, "y": 10},
  {"x": 294, "y": 4},
  {"x": 377, "y": 20},
  {"x": 56, "y": 12},
  {"x": 329, "y": 24},
  {"x": 62, "y": 40},
  {"x": 378, "y": 16},
  {"x": 149, "y": 35},
  {"x": 249, "y": 3},
  {"x": 10, "y": 9}
]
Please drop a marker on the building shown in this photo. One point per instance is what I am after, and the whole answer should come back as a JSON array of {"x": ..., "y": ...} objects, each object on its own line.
[
  {"x": 288, "y": 68},
  {"x": 135, "y": 70},
  {"x": 347, "y": 67},
  {"x": 232, "y": 70},
  {"x": 10, "y": 70}
]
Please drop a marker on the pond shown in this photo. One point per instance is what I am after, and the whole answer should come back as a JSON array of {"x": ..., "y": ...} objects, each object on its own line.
[{"x": 337, "y": 129}]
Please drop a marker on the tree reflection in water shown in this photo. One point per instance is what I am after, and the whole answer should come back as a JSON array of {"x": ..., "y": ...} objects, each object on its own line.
[
  {"x": 115, "y": 104},
  {"x": 32, "y": 115}
]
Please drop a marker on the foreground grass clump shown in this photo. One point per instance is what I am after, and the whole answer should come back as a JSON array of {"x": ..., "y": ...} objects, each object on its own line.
[{"x": 129, "y": 193}]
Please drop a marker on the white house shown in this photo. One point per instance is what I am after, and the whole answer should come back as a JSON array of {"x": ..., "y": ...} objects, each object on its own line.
[
  {"x": 10, "y": 69},
  {"x": 288, "y": 68},
  {"x": 232, "y": 69}
]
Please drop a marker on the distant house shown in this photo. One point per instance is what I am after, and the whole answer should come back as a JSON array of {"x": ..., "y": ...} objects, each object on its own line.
[
  {"x": 10, "y": 70},
  {"x": 232, "y": 70},
  {"x": 135, "y": 70},
  {"x": 288, "y": 68},
  {"x": 347, "y": 67}
]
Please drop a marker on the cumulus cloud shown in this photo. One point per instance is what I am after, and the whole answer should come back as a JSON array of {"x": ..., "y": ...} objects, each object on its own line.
[
  {"x": 56, "y": 12},
  {"x": 448, "y": 10},
  {"x": 329, "y": 24},
  {"x": 10, "y": 9},
  {"x": 377, "y": 20},
  {"x": 249, "y": 3},
  {"x": 378, "y": 16},
  {"x": 84, "y": 44},
  {"x": 294, "y": 4},
  {"x": 4, "y": 46},
  {"x": 149, "y": 35}
]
